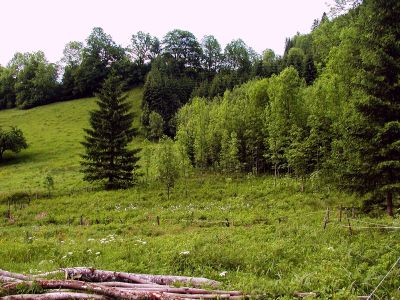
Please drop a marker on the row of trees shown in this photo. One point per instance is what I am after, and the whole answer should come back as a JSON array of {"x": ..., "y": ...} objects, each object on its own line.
[
  {"x": 30, "y": 80},
  {"x": 343, "y": 128}
]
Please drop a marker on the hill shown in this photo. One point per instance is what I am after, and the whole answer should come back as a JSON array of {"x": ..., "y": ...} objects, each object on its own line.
[
  {"x": 268, "y": 240},
  {"x": 54, "y": 133}
]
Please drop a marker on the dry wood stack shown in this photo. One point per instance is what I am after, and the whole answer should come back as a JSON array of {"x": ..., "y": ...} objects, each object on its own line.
[{"x": 89, "y": 283}]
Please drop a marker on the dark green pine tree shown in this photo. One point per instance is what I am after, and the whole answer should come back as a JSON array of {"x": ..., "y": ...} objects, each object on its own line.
[
  {"x": 374, "y": 133},
  {"x": 107, "y": 159},
  {"x": 310, "y": 71}
]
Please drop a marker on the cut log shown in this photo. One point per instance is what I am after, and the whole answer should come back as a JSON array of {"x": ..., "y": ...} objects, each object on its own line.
[
  {"x": 14, "y": 275},
  {"x": 93, "y": 275},
  {"x": 168, "y": 279},
  {"x": 118, "y": 284},
  {"x": 184, "y": 290},
  {"x": 89, "y": 287},
  {"x": 88, "y": 283},
  {"x": 55, "y": 296},
  {"x": 90, "y": 274},
  {"x": 198, "y": 296},
  {"x": 6, "y": 279},
  {"x": 306, "y": 294}
]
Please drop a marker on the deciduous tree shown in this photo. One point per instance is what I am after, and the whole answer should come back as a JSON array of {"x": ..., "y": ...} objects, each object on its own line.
[{"x": 11, "y": 140}]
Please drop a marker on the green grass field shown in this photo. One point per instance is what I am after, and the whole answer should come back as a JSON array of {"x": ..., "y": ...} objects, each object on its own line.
[{"x": 254, "y": 236}]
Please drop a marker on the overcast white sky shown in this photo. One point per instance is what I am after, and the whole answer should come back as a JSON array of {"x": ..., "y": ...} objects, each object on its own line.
[{"x": 47, "y": 25}]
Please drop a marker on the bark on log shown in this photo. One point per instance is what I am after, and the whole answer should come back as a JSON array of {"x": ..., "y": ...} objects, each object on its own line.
[
  {"x": 102, "y": 275},
  {"x": 41, "y": 275},
  {"x": 93, "y": 275},
  {"x": 184, "y": 290},
  {"x": 118, "y": 284},
  {"x": 6, "y": 279},
  {"x": 306, "y": 294},
  {"x": 14, "y": 275},
  {"x": 55, "y": 296},
  {"x": 198, "y": 296},
  {"x": 89, "y": 283},
  {"x": 90, "y": 287},
  {"x": 169, "y": 279}
]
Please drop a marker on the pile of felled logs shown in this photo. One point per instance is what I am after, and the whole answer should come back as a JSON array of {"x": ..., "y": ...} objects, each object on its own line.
[{"x": 89, "y": 283}]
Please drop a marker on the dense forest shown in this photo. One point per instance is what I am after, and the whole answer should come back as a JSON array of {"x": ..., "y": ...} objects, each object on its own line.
[{"x": 327, "y": 109}]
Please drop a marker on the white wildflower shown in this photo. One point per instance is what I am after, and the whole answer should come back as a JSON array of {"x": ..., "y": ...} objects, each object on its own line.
[
  {"x": 184, "y": 252},
  {"x": 223, "y": 273},
  {"x": 97, "y": 253}
]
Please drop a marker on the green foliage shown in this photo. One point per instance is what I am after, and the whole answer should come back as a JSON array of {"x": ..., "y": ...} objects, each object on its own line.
[
  {"x": 98, "y": 59},
  {"x": 370, "y": 139},
  {"x": 229, "y": 161},
  {"x": 11, "y": 140},
  {"x": 206, "y": 128},
  {"x": 144, "y": 47},
  {"x": 270, "y": 63},
  {"x": 107, "y": 158},
  {"x": 165, "y": 93},
  {"x": 49, "y": 184},
  {"x": 212, "y": 56},
  {"x": 284, "y": 111},
  {"x": 35, "y": 79},
  {"x": 236, "y": 56},
  {"x": 167, "y": 164},
  {"x": 184, "y": 48},
  {"x": 296, "y": 59},
  {"x": 155, "y": 129},
  {"x": 7, "y": 90}
]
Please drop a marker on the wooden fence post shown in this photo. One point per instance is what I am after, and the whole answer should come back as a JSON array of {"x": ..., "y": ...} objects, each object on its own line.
[
  {"x": 326, "y": 218},
  {"x": 348, "y": 222}
]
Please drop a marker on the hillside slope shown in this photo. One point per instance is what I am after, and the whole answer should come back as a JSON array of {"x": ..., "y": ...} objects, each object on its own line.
[{"x": 54, "y": 133}]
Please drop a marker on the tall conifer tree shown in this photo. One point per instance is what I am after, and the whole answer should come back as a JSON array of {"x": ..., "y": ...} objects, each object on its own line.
[
  {"x": 108, "y": 159},
  {"x": 373, "y": 133}
]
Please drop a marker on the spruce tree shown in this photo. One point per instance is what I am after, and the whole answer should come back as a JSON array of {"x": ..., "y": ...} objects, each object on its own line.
[
  {"x": 107, "y": 159},
  {"x": 372, "y": 143}
]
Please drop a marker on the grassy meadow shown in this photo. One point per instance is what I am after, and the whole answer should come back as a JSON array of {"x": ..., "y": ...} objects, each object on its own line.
[{"x": 265, "y": 239}]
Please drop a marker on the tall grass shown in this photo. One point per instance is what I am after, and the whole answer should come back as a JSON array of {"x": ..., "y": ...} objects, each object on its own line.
[{"x": 266, "y": 240}]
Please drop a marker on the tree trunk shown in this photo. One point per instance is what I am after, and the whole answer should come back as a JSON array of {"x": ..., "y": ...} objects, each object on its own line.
[
  {"x": 302, "y": 179},
  {"x": 389, "y": 203}
]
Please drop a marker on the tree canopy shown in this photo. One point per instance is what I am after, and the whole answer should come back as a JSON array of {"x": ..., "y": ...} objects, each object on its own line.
[{"x": 11, "y": 140}]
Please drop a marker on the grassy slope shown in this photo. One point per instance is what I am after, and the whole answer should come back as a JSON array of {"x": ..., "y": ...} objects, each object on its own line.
[
  {"x": 274, "y": 244},
  {"x": 54, "y": 133}
]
